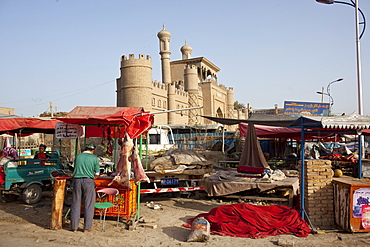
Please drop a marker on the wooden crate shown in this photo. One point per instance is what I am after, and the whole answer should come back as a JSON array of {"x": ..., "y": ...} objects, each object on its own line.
[
  {"x": 344, "y": 189},
  {"x": 127, "y": 199}
]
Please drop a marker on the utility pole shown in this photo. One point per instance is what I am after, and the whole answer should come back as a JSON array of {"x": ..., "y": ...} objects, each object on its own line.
[
  {"x": 51, "y": 109},
  {"x": 322, "y": 95}
]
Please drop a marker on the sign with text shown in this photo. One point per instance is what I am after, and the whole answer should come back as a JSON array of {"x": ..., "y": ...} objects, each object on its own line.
[
  {"x": 306, "y": 108},
  {"x": 67, "y": 131}
]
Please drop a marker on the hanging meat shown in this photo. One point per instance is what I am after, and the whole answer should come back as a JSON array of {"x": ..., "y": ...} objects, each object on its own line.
[
  {"x": 109, "y": 142},
  {"x": 139, "y": 172},
  {"x": 102, "y": 135},
  {"x": 123, "y": 167},
  {"x": 120, "y": 142}
]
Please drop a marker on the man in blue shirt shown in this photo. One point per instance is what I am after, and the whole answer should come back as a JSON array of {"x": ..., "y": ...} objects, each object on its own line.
[{"x": 86, "y": 168}]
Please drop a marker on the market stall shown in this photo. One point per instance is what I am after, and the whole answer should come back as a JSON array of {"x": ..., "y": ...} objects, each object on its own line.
[
  {"x": 349, "y": 124},
  {"x": 115, "y": 126}
]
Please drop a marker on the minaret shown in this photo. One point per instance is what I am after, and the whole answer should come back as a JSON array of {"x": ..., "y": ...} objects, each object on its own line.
[
  {"x": 192, "y": 87},
  {"x": 164, "y": 50},
  {"x": 186, "y": 51}
]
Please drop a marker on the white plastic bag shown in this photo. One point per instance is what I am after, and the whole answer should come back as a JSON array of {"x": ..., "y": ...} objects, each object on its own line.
[{"x": 200, "y": 230}]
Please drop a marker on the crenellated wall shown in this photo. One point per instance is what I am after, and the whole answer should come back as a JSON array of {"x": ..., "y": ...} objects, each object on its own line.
[{"x": 134, "y": 87}]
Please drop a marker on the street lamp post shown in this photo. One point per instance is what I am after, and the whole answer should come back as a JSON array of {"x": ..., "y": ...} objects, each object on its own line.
[
  {"x": 358, "y": 37},
  {"x": 359, "y": 83},
  {"x": 331, "y": 101},
  {"x": 328, "y": 87}
]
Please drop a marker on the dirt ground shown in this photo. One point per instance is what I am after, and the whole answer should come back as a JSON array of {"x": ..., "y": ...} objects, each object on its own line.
[{"x": 28, "y": 225}]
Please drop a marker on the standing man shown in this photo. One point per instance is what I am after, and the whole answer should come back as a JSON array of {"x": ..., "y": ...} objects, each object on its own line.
[{"x": 86, "y": 168}]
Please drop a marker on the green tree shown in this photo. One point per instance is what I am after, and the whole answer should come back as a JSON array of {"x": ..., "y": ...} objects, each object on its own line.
[{"x": 238, "y": 106}]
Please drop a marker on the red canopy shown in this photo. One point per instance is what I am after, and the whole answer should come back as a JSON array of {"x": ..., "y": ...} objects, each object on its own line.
[
  {"x": 27, "y": 125},
  {"x": 279, "y": 132},
  {"x": 135, "y": 123}
]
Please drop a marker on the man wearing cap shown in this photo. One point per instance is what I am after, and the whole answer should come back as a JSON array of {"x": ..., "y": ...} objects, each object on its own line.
[{"x": 86, "y": 168}]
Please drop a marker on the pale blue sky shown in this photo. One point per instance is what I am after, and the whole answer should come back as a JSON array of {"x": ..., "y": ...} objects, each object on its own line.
[{"x": 68, "y": 51}]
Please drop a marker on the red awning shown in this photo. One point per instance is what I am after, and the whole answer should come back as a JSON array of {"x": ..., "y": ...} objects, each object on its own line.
[
  {"x": 280, "y": 132},
  {"x": 27, "y": 125},
  {"x": 130, "y": 117}
]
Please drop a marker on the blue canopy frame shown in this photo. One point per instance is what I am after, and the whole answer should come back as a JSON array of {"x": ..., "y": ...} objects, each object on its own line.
[{"x": 351, "y": 124}]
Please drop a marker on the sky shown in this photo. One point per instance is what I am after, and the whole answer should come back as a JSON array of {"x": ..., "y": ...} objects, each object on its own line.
[{"x": 68, "y": 51}]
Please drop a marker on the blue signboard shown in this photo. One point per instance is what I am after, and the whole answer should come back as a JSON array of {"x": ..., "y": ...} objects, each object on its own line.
[{"x": 306, "y": 108}]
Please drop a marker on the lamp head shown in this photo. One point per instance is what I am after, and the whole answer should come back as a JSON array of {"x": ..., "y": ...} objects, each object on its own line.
[
  {"x": 340, "y": 79},
  {"x": 319, "y": 92},
  {"x": 325, "y": 1}
]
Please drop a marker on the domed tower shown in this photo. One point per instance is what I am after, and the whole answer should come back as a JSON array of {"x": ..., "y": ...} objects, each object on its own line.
[
  {"x": 165, "y": 52},
  {"x": 192, "y": 87},
  {"x": 134, "y": 87},
  {"x": 186, "y": 51}
]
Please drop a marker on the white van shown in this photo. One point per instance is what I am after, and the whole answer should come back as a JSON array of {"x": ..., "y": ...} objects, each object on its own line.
[{"x": 158, "y": 138}]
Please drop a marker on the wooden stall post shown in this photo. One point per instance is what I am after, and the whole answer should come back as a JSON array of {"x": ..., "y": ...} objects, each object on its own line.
[{"x": 57, "y": 204}]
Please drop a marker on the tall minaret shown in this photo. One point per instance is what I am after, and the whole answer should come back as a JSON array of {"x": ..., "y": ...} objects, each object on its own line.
[{"x": 164, "y": 50}]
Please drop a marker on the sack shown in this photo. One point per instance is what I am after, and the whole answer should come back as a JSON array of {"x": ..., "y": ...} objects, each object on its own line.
[{"x": 200, "y": 230}]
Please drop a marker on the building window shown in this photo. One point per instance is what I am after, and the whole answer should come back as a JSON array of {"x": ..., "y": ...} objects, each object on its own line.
[
  {"x": 159, "y": 103},
  {"x": 153, "y": 102},
  {"x": 164, "y": 104}
]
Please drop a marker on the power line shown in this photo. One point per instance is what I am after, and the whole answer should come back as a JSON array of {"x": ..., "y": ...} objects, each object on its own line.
[{"x": 74, "y": 92}]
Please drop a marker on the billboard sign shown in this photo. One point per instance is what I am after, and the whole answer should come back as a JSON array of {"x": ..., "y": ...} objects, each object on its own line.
[{"x": 295, "y": 108}]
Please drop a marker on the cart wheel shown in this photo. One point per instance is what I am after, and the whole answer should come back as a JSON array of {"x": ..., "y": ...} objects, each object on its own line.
[
  {"x": 68, "y": 198},
  {"x": 9, "y": 197},
  {"x": 32, "y": 194}
]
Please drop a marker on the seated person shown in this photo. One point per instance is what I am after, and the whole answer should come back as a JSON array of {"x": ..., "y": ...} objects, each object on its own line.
[
  {"x": 41, "y": 155},
  {"x": 7, "y": 154}
]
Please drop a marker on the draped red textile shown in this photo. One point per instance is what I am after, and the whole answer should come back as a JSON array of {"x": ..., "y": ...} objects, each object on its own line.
[
  {"x": 254, "y": 221},
  {"x": 134, "y": 120}
]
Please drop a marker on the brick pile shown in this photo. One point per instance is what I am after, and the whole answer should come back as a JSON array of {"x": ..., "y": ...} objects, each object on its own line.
[{"x": 319, "y": 193}]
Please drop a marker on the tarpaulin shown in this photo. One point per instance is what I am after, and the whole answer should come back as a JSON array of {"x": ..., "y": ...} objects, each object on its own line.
[
  {"x": 134, "y": 120},
  {"x": 254, "y": 221}
]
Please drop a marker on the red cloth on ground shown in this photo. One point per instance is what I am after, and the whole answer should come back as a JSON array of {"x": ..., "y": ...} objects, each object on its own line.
[{"x": 252, "y": 221}]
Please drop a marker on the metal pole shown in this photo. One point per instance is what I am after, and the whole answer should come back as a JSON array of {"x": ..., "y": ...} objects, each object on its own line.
[
  {"x": 302, "y": 185},
  {"x": 322, "y": 94},
  {"x": 359, "y": 84},
  {"x": 360, "y": 150}
]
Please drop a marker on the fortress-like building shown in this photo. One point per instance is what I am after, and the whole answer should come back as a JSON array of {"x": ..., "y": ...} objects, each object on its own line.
[{"x": 186, "y": 83}]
